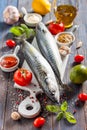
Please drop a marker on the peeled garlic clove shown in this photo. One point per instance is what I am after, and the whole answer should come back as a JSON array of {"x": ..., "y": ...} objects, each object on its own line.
[
  {"x": 11, "y": 15},
  {"x": 79, "y": 44},
  {"x": 15, "y": 115},
  {"x": 64, "y": 50}
]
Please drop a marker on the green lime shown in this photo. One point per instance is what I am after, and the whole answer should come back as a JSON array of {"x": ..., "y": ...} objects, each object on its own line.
[{"x": 78, "y": 74}]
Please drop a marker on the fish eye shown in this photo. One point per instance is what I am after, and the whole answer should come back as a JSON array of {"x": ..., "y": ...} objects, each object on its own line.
[
  {"x": 39, "y": 28},
  {"x": 53, "y": 91},
  {"x": 52, "y": 94},
  {"x": 46, "y": 80},
  {"x": 44, "y": 31}
]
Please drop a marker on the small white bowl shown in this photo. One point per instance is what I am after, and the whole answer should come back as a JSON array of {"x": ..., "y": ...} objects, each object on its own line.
[
  {"x": 32, "y": 19},
  {"x": 64, "y": 50},
  {"x": 65, "y": 38},
  {"x": 10, "y": 69}
]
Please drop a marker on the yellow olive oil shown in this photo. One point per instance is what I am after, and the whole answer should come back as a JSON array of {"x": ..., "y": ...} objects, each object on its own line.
[{"x": 66, "y": 14}]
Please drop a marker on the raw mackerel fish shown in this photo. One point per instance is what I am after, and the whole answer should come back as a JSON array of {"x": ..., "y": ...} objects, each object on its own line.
[
  {"x": 42, "y": 71},
  {"x": 49, "y": 49}
]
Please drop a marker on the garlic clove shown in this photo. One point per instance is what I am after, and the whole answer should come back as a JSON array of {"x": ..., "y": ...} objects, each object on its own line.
[
  {"x": 11, "y": 15},
  {"x": 15, "y": 115},
  {"x": 79, "y": 45}
]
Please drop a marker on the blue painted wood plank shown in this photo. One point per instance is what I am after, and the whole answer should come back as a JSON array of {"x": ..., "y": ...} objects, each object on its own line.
[{"x": 4, "y": 28}]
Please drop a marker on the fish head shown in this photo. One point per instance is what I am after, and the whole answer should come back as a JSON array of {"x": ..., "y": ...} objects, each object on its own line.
[
  {"x": 41, "y": 29},
  {"x": 52, "y": 90}
]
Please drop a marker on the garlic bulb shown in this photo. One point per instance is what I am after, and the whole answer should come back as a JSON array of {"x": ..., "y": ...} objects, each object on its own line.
[{"x": 11, "y": 15}]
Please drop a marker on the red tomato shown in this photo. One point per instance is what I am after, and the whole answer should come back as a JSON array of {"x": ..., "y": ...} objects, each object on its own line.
[
  {"x": 10, "y": 43},
  {"x": 55, "y": 27},
  {"x": 78, "y": 58},
  {"x": 39, "y": 121},
  {"x": 22, "y": 77},
  {"x": 82, "y": 96}
]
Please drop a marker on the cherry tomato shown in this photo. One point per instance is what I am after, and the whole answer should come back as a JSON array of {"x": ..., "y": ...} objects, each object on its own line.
[
  {"x": 55, "y": 27},
  {"x": 22, "y": 77},
  {"x": 78, "y": 58},
  {"x": 10, "y": 43},
  {"x": 39, "y": 122},
  {"x": 82, "y": 96}
]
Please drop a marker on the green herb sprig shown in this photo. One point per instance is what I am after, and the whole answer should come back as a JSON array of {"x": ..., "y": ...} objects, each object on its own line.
[
  {"x": 61, "y": 112},
  {"x": 22, "y": 29}
]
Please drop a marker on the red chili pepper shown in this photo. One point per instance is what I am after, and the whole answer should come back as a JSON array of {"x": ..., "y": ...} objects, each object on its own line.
[{"x": 55, "y": 27}]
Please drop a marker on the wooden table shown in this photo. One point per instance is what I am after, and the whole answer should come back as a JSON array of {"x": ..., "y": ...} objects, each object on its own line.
[{"x": 9, "y": 96}]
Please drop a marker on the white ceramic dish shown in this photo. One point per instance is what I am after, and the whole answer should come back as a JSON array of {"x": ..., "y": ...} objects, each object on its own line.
[
  {"x": 10, "y": 69},
  {"x": 64, "y": 50},
  {"x": 65, "y": 38},
  {"x": 31, "y": 19}
]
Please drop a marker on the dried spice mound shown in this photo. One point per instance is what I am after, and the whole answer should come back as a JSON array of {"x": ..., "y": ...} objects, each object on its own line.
[{"x": 43, "y": 99}]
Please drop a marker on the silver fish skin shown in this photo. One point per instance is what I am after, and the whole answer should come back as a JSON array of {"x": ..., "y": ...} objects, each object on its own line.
[
  {"x": 42, "y": 71},
  {"x": 49, "y": 49}
]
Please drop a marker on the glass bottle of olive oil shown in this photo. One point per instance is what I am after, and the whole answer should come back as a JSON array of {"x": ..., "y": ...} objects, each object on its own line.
[{"x": 65, "y": 11}]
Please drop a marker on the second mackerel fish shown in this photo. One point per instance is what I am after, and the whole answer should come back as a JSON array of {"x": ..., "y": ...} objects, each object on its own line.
[{"x": 49, "y": 50}]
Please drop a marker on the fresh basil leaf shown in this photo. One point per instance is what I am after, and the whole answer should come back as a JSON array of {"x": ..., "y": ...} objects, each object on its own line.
[
  {"x": 24, "y": 26},
  {"x": 64, "y": 106},
  {"x": 53, "y": 108},
  {"x": 16, "y": 31},
  {"x": 21, "y": 29},
  {"x": 60, "y": 115},
  {"x": 29, "y": 33},
  {"x": 70, "y": 118}
]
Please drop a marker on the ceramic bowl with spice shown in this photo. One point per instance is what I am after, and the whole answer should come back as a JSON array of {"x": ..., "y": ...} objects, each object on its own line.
[
  {"x": 9, "y": 62},
  {"x": 31, "y": 19},
  {"x": 64, "y": 50},
  {"x": 65, "y": 38}
]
